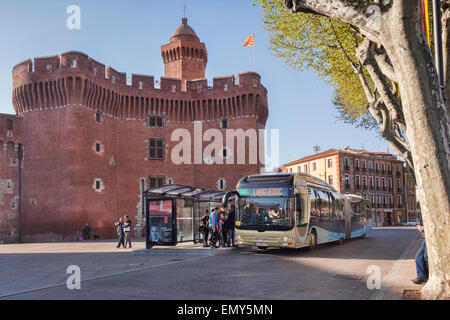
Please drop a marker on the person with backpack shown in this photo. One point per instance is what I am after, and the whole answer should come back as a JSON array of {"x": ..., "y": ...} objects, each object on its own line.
[{"x": 204, "y": 227}]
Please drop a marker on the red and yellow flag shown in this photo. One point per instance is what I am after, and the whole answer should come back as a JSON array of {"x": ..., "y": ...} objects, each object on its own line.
[{"x": 250, "y": 41}]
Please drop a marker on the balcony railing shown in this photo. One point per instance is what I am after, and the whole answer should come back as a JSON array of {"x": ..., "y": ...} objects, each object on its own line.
[
  {"x": 358, "y": 186},
  {"x": 364, "y": 169},
  {"x": 357, "y": 169},
  {"x": 370, "y": 170},
  {"x": 389, "y": 172},
  {"x": 390, "y": 189},
  {"x": 383, "y": 172},
  {"x": 364, "y": 186},
  {"x": 400, "y": 206},
  {"x": 377, "y": 171},
  {"x": 397, "y": 173},
  {"x": 346, "y": 168},
  {"x": 347, "y": 186},
  {"x": 384, "y": 188}
]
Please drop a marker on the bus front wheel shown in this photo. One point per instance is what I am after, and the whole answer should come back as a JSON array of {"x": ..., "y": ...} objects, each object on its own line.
[{"x": 312, "y": 241}]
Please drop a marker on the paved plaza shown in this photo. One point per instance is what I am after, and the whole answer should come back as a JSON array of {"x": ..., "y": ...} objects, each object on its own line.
[{"x": 332, "y": 271}]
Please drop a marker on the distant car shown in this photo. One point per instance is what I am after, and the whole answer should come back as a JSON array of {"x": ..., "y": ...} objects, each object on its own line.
[{"x": 413, "y": 223}]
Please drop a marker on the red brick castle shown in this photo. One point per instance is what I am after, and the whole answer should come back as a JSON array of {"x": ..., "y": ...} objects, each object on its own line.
[{"x": 92, "y": 141}]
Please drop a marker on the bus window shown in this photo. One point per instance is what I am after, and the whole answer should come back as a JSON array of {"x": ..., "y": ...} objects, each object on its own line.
[
  {"x": 325, "y": 207},
  {"x": 315, "y": 206}
]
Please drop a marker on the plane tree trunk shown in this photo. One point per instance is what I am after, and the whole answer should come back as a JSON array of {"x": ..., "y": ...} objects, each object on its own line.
[{"x": 396, "y": 27}]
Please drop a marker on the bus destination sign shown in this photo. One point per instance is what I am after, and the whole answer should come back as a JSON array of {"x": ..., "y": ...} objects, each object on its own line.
[{"x": 264, "y": 192}]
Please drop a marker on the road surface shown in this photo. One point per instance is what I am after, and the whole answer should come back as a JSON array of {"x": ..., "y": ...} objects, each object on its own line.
[{"x": 332, "y": 271}]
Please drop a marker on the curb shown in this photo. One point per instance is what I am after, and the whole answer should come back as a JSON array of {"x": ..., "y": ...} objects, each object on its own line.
[{"x": 183, "y": 252}]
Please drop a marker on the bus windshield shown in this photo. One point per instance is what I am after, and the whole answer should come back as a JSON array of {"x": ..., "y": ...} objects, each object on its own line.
[{"x": 266, "y": 213}]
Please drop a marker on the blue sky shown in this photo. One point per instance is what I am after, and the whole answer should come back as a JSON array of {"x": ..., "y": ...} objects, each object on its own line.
[{"x": 127, "y": 35}]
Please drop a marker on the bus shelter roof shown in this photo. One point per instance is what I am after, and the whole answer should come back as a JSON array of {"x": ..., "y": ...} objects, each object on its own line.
[{"x": 182, "y": 191}]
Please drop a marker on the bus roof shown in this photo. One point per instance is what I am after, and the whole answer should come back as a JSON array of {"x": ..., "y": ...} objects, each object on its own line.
[{"x": 285, "y": 177}]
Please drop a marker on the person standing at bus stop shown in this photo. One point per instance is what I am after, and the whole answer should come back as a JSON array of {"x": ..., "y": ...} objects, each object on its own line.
[
  {"x": 230, "y": 222},
  {"x": 213, "y": 224},
  {"x": 205, "y": 227}
]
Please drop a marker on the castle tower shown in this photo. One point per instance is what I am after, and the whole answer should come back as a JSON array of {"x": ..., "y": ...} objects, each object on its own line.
[{"x": 185, "y": 57}]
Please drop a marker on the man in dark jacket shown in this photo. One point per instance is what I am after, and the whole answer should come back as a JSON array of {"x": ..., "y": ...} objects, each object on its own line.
[
  {"x": 120, "y": 233},
  {"x": 86, "y": 231},
  {"x": 204, "y": 226},
  {"x": 230, "y": 222}
]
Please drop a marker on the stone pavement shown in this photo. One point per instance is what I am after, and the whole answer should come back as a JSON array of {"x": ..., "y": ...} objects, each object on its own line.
[{"x": 38, "y": 271}]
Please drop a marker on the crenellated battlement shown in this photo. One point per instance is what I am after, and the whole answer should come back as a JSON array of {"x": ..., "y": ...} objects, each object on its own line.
[
  {"x": 74, "y": 63},
  {"x": 74, "y": 78}
]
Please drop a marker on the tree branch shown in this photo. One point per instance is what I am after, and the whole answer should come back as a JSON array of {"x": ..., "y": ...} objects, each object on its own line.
[{"x": 364, "y": 15}]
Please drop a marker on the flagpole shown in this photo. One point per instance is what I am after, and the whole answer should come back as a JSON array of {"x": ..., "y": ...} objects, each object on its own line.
[{"x": 254, "y": 54}]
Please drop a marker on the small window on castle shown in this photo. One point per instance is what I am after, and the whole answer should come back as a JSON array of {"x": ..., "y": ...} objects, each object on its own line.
[
  {"x": 49, "y": 68},
  {"x": 98, "y": 116},
  {"x": 224, "y": 124},
  {"x": 255, "y": 83},
  {"x": 199, "y": 88},
  {"x": 156, "y": 122},
  {"x": 74, "y": 64},
  {"x": 169, "y": 181},
  {"x": 225, "y": 87},
  {"x": 98, "y": 147},
  {"x": 95, "y": 71},
  {"x": 156, "y": 148},
  {"x": 113, "y": 79},
  {"x": 97, "y": 185},
  {"x": 141, "y": 85},
  {"x": 221, "y": 184},
  {"x": 157, "y": 181},
  {"x": 174, "y": 89},
  {"x": 9, "y": 124},
  {"x": 225, "y": 152}
]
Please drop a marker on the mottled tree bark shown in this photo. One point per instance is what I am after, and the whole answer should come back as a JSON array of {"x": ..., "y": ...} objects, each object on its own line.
[{"x": 396, "y": 26}]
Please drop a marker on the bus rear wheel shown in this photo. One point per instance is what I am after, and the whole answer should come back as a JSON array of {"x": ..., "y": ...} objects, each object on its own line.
[{"x": 313, "y": 241}]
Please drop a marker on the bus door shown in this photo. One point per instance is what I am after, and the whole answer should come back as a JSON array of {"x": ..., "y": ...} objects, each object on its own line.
[
  {"x": 348, "y": 218},
  {"x": 301, "y": 216}
]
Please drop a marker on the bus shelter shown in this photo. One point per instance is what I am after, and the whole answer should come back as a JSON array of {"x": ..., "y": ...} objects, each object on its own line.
[{"x": 173, "y": 213}]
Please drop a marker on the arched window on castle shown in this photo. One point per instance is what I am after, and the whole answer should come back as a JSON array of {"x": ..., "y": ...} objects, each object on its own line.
[{"x": 74, "y": 64}]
